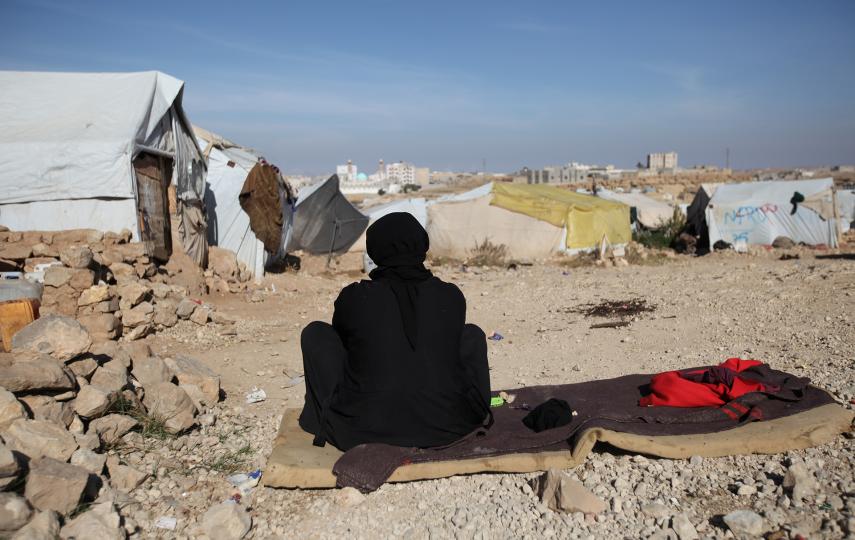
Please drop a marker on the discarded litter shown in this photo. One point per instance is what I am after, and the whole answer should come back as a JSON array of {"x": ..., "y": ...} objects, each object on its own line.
[
  {"x": 496, "y": 401},
  {"x": 241, "y": 478},
  {"x": 293, "y": 382},
  {"x": 256, "y": 395},
  {"x": 509, "y": 398},
  {"x": 166, "y": 522},
  {"x": 495, "y": 336}
]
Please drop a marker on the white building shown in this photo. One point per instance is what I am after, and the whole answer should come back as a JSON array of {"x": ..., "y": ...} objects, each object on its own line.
[
  {"x": 401, "y": 173},
  {"x": 347, "y": 172},
  {"x": 662, "y": 160}
]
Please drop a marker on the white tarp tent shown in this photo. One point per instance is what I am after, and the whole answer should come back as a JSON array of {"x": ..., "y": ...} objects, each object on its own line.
[
  {"x": 228, "y": 225},
  {"x": 846, "y": 208},
  {"x": 68, "y": 144},
  {"x": 650, "y": 213},
  {"x": 759, "y": 212}
]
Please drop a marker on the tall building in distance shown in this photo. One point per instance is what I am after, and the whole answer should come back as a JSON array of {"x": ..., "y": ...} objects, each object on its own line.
[
  {"x": 401, "y": 173},
  {"x": 347, "y": 172},
  {"x": 662, "y": 160}
]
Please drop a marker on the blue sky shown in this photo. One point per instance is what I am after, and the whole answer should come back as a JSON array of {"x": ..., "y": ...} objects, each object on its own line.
[{"x": 447, "y": 84}]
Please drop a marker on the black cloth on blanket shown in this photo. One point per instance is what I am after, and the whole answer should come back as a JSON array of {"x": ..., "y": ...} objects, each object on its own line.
[
  {"x": 610, "y": 404},
  {"x": 550, "y": 414}
]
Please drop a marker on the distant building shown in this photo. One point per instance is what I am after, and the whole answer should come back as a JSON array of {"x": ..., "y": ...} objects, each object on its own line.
[
  {"x": 346, "y": 173},
  {"x": 662, "y": 160},
  {"x": 422, "y": 176},
  {"x": 401, "y": 173},
  {"x": 572, "y": 173}
]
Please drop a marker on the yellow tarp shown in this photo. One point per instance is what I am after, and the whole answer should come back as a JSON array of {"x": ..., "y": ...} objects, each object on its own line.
[{"x": 587, "y": 218}]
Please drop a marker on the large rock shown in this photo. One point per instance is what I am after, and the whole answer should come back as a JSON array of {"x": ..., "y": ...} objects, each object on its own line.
[
  {"x": 10, "y": 408},
  {"x": 139, "y": 315},
  {"x": 226, "y": 521},
  {"x": 191, "y": 371},
  {"x": 83, "y": 367},
  {"x": 101, "y": 521},
  {"x": 89, "y": 460},
  {"x": 151, "y": 370},
  {"x": 561, "y": 493},
  {"x": 164, "y": 314},
  {"x": 110, "y": 377},
  {"x": 57, "y": 276},
  {"x": 41, "y": 373},
  {"x": 101, "y": 327},
  {"x": 55, "y": 485},
  {"x": 81, "y": 279},
  {"x": 111, "y": 427},
  {"x": 9, "y": 467},
  {"x": 123, "y": 477},
  {"x": 132, "y": 293},
  {"x": 76, "y": 256},
  {"x": 44, "y": 526},
  {"x": 61, "y": 337},
  {"x": 171, "y": 404},
  {"x": 48, "y": 408},
  {"x": 93, "y": 401},
  {"x": 136, "y": 351},
  {"x": 40, "y": 438},
  {"x": 783, "y": 242},
  {"x": 223, "y": 262},
  {"x": 94, "y": 295},
  {"x": 745, "y": 524},
  {"x": 800, "y": 481},
  {"x": 185, "y": 308},
  {"x": 15, "y": 252},
  {"x": 15, "y": 512},
  {"x": 139, "y": 332},
  {"x": 201, "y": 315}
]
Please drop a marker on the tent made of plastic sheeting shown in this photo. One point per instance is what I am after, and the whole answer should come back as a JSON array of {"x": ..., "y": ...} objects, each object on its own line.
[
  {"x": 650, "y": 213},
  {"x": 98, "y": 150},
  {"x": 846, "y": 208},
  {"x": 759, "y": 212},
  {"x": 229, "y": 164},
  {"x": 586, "y": 219},
  {"x": 457, "y": 227},
  {"x": 324, "y": 221},
  {"x": 417, "y": 207}
]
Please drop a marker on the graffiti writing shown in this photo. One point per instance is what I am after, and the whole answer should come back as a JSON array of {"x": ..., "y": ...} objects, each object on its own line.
[{"x": 750, "y": 214}]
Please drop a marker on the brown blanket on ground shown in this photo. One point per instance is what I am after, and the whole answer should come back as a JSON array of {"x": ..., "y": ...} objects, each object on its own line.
[{"x": 610, "y": 404}]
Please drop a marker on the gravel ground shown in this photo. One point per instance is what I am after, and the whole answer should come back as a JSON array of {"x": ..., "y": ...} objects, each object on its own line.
[{"x": 797, "y": 315}]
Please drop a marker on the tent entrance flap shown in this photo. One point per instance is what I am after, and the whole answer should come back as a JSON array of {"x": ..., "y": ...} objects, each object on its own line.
[{"x": 153, "y": 175}]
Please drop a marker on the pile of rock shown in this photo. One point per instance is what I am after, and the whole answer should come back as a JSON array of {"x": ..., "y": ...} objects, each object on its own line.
[
  {"x": 63, "y": 402},
  {"x": 112, "y": 287}
]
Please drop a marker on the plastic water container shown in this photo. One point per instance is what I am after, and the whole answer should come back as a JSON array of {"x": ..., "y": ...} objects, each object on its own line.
[{"x": 17, "y": 288}]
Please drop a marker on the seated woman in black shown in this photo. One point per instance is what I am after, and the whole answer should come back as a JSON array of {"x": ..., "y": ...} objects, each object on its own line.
[{"x": 399, "y": 365}]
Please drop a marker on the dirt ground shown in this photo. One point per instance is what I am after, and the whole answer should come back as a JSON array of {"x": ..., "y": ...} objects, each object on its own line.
[{"x": 797, "y": 315}]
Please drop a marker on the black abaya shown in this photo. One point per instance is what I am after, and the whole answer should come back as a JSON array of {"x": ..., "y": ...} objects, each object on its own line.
[{"x": 399, "y": 365}]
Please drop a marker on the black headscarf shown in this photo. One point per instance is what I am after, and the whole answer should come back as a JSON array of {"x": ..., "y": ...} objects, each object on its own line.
[{"x": 398, "y": 245}]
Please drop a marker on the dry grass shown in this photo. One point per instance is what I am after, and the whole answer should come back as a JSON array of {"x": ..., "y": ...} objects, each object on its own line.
[{"x": 488, "y": 254}]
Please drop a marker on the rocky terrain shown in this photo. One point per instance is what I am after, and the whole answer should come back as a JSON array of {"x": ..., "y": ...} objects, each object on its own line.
[{"x": 795, "y": 314}]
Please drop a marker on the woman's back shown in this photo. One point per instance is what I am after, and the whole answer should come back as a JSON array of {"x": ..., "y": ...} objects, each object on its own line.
[{"x": 391, "y": 391}]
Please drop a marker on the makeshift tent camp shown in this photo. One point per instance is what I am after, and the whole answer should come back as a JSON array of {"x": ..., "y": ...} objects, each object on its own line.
[
  {"x": 649, "y": 213},
  {"x": 98, "y": 150},
  {"x": 586, "y": 219},
  {"x": 528, "y": 222},
  {"x": 759, "y": 212},
  {"x": 229, "y": 165},
  {"x": 324, "y": 221}
]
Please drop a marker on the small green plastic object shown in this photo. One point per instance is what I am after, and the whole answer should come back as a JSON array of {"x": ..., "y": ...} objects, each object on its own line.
[{"x": 496, "y": 401}]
